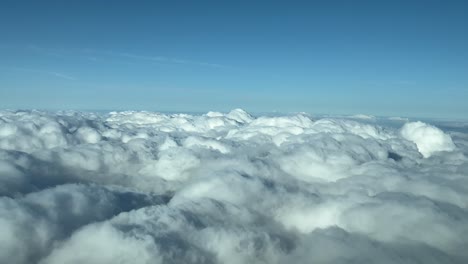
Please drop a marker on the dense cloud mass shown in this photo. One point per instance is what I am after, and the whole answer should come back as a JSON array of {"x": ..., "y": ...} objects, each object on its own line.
[{"x": 143, "y": 187}]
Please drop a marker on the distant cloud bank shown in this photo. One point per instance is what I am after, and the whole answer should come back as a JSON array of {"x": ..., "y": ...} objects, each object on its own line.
[{"x": 145, "y": 187}]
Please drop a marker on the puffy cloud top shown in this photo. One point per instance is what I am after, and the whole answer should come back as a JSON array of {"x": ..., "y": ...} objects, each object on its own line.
[
  {"x": 145, "y": 187},
  {"x": 429, "y": 139}
]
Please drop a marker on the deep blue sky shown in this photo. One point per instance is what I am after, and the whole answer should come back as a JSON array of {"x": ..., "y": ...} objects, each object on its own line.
[{"x": 397, "y": 58}]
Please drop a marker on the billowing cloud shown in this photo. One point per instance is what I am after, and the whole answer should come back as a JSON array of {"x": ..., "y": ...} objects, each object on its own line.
[
  {"x": 429, "y": 139},
  {"x": 145, "y": 187}
]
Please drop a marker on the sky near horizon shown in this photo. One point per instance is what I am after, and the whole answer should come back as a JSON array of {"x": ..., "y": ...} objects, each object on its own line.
[{"x": 393, "y": 58}]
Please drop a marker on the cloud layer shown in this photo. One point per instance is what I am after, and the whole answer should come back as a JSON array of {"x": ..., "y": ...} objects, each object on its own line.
[{"x": 143, "y": 187}]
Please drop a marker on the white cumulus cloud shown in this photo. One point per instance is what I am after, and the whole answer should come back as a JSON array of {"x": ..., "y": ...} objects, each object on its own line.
[
  {"x": 429, "y": 139},
  {"x": 146, "y": 187}
]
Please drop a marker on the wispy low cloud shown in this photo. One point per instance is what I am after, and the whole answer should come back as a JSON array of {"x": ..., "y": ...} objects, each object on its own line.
[{"x": 44, "y": 72}]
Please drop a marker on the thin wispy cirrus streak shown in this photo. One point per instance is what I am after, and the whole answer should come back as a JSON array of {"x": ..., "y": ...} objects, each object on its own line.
[
  {"x": 99, "y": 55},
  {"x": 44, "y": 72},
  {"x": 167, "y": 60}
]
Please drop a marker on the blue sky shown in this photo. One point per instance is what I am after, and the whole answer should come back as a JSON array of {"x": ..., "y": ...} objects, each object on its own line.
[{"x": 392, "y": 58}]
